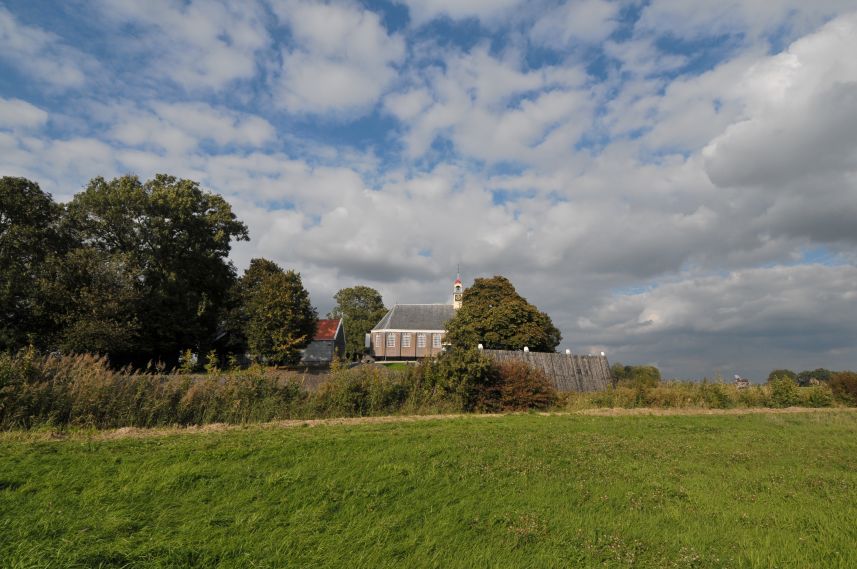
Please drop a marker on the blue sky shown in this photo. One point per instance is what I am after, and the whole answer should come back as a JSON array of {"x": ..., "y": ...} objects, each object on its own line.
[{"x": 673, "y": 182}]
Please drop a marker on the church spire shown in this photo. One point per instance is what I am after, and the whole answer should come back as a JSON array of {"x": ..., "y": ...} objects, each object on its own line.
[{"x": 457, "y": 293}]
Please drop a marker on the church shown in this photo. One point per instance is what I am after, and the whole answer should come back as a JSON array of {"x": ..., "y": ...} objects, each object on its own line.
[{"x": 413, "y": 331}]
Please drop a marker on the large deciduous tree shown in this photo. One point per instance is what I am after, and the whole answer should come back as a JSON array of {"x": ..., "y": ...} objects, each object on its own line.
[
  {"x": 281, "y": 320},
  {"x": 495, "y": 315},
  {"x": 360, "y": 307},
  {"x": 30, "y": 238},
  {"x": 175, "y": 238}
]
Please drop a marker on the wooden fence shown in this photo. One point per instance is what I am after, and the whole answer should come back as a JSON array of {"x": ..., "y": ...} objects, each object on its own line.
[{"x": 568, "y": 372}]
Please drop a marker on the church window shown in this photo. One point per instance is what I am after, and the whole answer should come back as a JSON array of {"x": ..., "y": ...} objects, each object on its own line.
[
  {"x": 406, "y": 340},
  {"x": 435, "y": 340},
  {"x": 391, "y": 340},
  {"x": 421, "y": 340}
]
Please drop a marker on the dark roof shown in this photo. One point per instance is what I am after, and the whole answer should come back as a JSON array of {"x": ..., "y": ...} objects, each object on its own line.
[
  {"x": 416, "y": 317},
  {"x": 326, "y": 329}
]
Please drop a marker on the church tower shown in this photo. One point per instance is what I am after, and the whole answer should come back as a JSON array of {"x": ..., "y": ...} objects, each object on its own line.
[{"x": 456, "y": 293}]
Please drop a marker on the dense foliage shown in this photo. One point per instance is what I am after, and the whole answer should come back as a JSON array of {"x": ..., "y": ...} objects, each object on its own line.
[
  {"x": 635, "y": 376},
  {"x": 135, "y": 270},
  {"x": 844, "y": 386},
  {"x": 281, "y": 319},
  {"x": 30, "y": 241},
  {"x": 361, "y": 308},
  {"x": 495, "y": 315}
]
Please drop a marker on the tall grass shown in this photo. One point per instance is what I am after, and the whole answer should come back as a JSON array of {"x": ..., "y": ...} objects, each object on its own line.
[
  {"x": 705, "y": 394},
  {"x": 84, "y": 390}
]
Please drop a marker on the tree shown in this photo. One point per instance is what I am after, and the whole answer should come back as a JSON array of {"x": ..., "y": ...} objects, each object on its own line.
[
  {"x": 178, "y": 238},
  {"x": 232, "y": 334},
  {"x": 30, "y": 236},
  {"x": 781, "y": 373},
  {"x": 95, "y": 290},
  {"x": 635, "y": 376},
  {"x": 495, "y": 315},
  {"x": 360, "y": 307},
  {"x": 820, "y": 374},
  {"x": 281, "y": 320}
]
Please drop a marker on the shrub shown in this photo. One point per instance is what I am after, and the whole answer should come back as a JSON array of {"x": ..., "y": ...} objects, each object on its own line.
[
  {"x": 635, "y": 376},
  {"x": 817, "y": 396},
  {"x": 784, "y": 392},
  {"x": 844, "y": 386},
  {"x": 465, "y": 377},
  {"x": 364, "y": 390},
  {"x": 714, "y": 395},
  {"x": 523, "y": 387}
]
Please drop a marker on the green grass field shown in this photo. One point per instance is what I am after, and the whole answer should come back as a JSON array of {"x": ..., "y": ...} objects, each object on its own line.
[{"x": 763, "y": 490}]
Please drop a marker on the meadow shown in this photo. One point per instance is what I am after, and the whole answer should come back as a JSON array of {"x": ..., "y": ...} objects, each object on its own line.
[{"x": 521, "y": 490}]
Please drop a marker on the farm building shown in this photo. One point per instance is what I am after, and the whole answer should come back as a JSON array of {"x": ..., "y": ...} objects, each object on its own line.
[
  {"x": 412, "y": 331},
  {"x": 328, "y": 342}
]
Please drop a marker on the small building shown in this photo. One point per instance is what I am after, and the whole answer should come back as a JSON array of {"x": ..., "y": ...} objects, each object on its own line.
[
  {"x": 413, "y": 331},
  {"x": 327, "y": 343}
]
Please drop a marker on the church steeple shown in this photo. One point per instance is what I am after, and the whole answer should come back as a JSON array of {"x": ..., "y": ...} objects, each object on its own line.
[{"x": 457, "y": 293}]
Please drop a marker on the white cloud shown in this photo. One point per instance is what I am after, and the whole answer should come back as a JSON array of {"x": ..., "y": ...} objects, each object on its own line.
[
  {"x": 343, "y": 59},
  {"x": 180, "y": 127},
  {"x": 753, "y": 18},
  {"x": 802, "y": 113},
  {"x": 491, "y": 109},
  {"x": 422, "y": 11},
  {"x": 15, "y": 113},
  {"x": 199, "y": 44},
  {"x": 585, "y": 21},
  {"x": 41, "y": 54}
]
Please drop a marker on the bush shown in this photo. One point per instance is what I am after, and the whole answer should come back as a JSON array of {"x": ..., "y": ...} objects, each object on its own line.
[
  {"x": 784, "y": 392},
  {"x": 715, "y": 396},
  {"x": 844, "y": 386},
  {"x": 523, "y": 387},
  {"x": 361, "y": 391},
  {"x": 817, "y": 396},
  {"x": 465, "y": 377},
  {"x": 635, "y": 376}
]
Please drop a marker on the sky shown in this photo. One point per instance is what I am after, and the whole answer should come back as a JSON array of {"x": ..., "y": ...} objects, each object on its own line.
[{"x": 673, "y": 182}]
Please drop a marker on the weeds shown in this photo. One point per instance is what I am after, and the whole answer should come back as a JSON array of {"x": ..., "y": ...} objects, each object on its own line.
[{"x": 84, "y": 391}]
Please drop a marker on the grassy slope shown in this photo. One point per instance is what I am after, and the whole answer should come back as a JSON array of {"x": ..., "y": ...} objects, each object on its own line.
[{"x": 516, "y": 491}]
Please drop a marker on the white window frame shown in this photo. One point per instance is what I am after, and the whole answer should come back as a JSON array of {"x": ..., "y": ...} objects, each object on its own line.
[
  {"x": 377, "y": 339},
  {"x": 406, "y": 339},
  {"x": 391, "y": 339},
  {"x": 435, "y": 341},
  {"x": 421, "y": 340}
]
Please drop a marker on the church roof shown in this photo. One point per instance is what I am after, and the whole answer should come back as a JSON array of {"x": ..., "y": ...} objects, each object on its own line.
[{"x": 416, "y": 317}]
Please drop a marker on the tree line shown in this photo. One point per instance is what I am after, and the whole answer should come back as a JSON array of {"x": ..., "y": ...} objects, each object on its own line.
[{"x": 139, "y": 271}]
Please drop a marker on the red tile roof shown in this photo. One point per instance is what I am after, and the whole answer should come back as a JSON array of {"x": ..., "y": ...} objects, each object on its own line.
[{"x": 326, "y": 329}]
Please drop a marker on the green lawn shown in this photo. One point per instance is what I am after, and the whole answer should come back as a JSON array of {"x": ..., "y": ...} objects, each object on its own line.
[{"x": 514, "y": 491}]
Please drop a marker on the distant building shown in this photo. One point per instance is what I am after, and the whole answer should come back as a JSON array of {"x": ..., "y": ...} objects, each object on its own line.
[
  {"x": 413, "y": 331},
  {"x": 328, "y": 343},
  {"x": 741, "y": 382}
]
